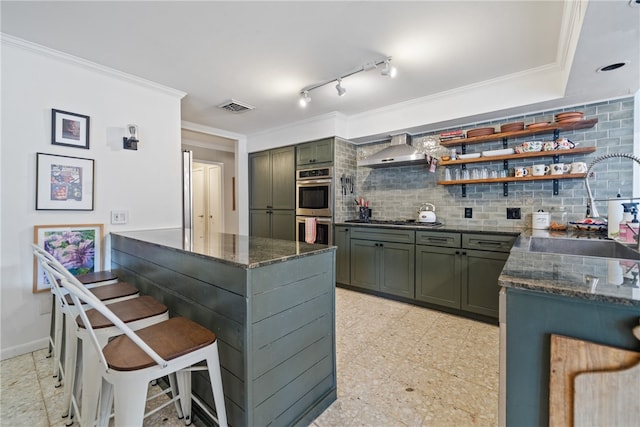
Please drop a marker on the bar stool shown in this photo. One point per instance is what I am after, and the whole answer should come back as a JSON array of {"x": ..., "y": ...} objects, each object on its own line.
[
  {"x": 136, "y": 312},
  {"x": 130, "y": 361}
]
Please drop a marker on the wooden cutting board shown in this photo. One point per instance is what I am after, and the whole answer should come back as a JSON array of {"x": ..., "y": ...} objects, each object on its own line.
[
  {"x": 622, "y": 404},
  {"x": 570, "y": 357}
]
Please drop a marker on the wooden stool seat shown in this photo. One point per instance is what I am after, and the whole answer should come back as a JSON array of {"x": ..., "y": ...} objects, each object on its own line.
[
  {"x": 128, "y": 311},
  {"x": 106, "y": 293},
  {"x": 95, "y": 277},
  {"x": 170, "y": 339}
]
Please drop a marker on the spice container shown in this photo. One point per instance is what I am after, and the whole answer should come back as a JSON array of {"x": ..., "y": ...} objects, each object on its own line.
[{"x": 558, "y": 218}]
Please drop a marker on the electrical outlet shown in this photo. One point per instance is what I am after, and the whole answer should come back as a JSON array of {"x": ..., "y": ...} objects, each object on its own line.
[
  {"x": 513, "y": 213},
  {"x": 468, "y": 212},
  {"x": 119, "y": 217}
]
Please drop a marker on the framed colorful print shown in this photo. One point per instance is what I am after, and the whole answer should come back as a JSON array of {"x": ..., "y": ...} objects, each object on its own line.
[
  {"x": 64, "y": 183},
  {"x": 69, "y": 129},
  {"x": 78, "y": 247}
]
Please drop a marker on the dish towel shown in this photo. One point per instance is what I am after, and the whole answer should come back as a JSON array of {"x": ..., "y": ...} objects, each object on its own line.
[{"x": 310, "y": 230}]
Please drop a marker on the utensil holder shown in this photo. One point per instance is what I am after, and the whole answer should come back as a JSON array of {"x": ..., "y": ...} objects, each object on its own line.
[{"x": 364, "y": 213}]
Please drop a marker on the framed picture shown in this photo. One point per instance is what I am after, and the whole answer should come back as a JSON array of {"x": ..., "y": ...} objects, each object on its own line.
[
  {"x": 64, "y": 183},
  {"x": 78, "y": 247},
  {"x": 69, "y": 129}
]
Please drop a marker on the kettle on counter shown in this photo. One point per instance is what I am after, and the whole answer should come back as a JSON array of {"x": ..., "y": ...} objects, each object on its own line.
[{"x": 427, "y": 213}]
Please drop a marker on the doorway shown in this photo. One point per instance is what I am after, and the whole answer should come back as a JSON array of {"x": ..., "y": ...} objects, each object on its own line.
[{"x": 208, "y": 212}]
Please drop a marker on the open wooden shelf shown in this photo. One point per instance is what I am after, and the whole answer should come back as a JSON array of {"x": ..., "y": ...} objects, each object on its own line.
[
  {"x": 514, "y": 179},
  {"x": 583, "y": 124},
  {"x": 576, "y": 150}
]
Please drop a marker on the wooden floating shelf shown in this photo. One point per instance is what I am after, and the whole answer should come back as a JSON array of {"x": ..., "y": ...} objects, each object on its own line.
[
  {"x": 583, "y": 124},
  {"x": 582, "y": 150},
  {"x": 514, "y": 179}
]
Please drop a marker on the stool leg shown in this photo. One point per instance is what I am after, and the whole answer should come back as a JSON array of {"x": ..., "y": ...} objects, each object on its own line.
[
  {"x": 213, "y": 366},
  {"x": 130, "y": 396},
  {"x": 91, "y": 377},
  {"x": 106, "y": 403},
  {"x": 52, "y": 328},
  {"x": 70, "y": 356},
  {"x": 57, "y": 315},
  {"x": 175, "y": 392},
  {"x": 184, "y": 388}
]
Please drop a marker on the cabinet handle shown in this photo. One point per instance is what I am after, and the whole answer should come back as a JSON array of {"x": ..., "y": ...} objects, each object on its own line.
[
  {"x": 437, "y": 239},
  {"x": 464, "y": 253},
  {"x": 269, "y": 206},
  {"x": 457, "y": 252},
  {"x": 489, "y": 242}
]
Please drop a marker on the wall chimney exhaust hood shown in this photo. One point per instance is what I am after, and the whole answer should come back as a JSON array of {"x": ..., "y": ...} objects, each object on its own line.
[{"x": 399, "y": 153}]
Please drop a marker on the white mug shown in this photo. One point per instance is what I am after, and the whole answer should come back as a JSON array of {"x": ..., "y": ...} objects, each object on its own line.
[
  {"x": 559, "y": 168},
  {"x": 539, "y": 170},
  {"x": 521, "y": 172},
  {"x": 578, "y": 167}
]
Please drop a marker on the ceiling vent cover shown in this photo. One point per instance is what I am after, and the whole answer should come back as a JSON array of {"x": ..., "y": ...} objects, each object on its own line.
[{"x": 235, "y": 106}]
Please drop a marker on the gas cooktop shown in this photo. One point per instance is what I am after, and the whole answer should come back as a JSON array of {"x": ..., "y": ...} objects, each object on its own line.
[{"x": 407, "y": 222}]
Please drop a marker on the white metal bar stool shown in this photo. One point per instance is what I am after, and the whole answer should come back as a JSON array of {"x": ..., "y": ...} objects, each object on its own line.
[
  {"x": 136, "y": 312},
  {"x": 130, "y": 361}
]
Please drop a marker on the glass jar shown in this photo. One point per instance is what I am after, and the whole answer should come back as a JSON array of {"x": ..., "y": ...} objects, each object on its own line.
[{"x": 558, "y": 218}]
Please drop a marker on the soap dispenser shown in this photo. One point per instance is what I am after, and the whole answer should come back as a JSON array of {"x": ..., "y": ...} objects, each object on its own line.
[{"x": 634, "y": 226}]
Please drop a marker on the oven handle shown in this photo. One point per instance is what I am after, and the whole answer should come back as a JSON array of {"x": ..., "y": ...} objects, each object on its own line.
[{"x": 313, "y": 181}]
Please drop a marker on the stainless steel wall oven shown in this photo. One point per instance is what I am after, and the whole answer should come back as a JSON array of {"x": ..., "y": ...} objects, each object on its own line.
[{"x": 314, "y": 192}]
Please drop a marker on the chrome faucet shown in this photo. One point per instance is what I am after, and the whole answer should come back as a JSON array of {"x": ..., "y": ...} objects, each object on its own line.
[{"x": 592, "y": 211}]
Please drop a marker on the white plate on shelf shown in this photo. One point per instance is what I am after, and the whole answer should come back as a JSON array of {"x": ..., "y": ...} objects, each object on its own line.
[
  {"x": 468, "y": 156},
  {"x": 503, "y": 152}
]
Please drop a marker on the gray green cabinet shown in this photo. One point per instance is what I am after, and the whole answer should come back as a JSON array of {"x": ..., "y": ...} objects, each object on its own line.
[
  {"x": 272, "y": 179},
  {"x": 315, "y": 152},
  {"x": 272, "y": 193},
  {"x": 383, "y": 260},
  {"x": 342, "y": 239},
  {"x": 276, "y": 224},
  {"x": 461, "y": 271}
]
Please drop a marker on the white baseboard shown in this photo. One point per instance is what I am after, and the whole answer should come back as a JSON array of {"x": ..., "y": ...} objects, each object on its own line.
[{"x": 8, "y": 353}]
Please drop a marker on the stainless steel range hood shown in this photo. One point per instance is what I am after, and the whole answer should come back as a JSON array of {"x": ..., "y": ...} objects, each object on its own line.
[{"x": 399, "y": 153}]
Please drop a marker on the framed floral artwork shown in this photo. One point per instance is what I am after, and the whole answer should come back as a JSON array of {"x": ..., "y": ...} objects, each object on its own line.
[
  {"x": 77, "y": 246},
  {"x": 69, "y": 129},
  {"x": 64, "y": 183}
]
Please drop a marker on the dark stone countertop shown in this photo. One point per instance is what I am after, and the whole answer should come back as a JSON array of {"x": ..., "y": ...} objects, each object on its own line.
[
  {"x": 239, "y": 250},
  {"x": 587, "y": 277}
]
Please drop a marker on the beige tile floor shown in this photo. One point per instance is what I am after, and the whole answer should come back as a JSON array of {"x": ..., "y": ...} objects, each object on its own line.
[{"x": 398, "y": 365}]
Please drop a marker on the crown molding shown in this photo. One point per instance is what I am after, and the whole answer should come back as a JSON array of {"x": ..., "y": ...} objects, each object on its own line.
[{"x": 9, "y": 40}]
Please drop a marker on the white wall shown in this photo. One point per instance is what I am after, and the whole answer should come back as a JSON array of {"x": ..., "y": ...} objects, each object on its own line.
[{"x": 146, "y": 183}]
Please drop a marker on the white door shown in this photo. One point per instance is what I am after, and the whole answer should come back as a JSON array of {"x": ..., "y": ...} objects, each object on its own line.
[
  {"x": 215, "y": 224},
  {"x": 199, "y": 207}
]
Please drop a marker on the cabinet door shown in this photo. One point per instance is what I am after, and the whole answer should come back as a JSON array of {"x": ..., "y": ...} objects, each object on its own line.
[
  {"x": 260, "y": 180},
  {"x": 341, "y": 238},
  {"x": 397, "y": 269},
  {"x": 364, "y": 264},
  {"x": 480, "y": 281},
  {"x": 323, "y": 151},
  {"x": 305, "y": 153},
  {"x": 438, "y": 275},
  {"x": 260, "y": 223},
  {"x": 283, "y": 224},
  {"x": 283, "y": 173}
]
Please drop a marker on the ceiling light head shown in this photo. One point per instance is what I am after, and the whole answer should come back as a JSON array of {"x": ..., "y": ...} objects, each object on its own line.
[
  {"x": 389, "y": 70},
  {"x": 304, "y": 98},
  {"x": 340, "y": 89},
  {"x": 612, "y": 67}
]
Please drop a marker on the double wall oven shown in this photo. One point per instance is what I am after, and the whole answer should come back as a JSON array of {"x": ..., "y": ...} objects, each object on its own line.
[{"x": 314, "y": 199}]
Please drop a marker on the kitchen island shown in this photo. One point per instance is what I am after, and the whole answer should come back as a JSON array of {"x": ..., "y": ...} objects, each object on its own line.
[
  {"x": 590, "y": 298},
  {"x": 271, "y": 304}
]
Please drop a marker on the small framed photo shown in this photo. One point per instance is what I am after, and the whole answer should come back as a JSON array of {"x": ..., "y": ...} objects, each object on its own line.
[
  {"x": 77, "y": 246},
  {"x": 64, "y": 183},
  {"x": 69, "y": 129}
]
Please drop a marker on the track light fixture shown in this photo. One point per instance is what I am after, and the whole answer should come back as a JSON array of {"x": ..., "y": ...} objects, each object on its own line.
[
  {"x": 304, "y": 98},
  {"x": 388, "y": 70}
]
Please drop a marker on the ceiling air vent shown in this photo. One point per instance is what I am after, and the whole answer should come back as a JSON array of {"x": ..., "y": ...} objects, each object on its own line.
[{"x": 235, "y": 106}]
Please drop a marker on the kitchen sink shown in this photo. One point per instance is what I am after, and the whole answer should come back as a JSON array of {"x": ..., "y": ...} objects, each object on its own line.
[{"x": 583, "y": 247}]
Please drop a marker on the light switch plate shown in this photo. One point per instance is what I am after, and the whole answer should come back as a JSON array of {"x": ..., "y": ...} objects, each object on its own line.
[{"x": 119, "y": 217}]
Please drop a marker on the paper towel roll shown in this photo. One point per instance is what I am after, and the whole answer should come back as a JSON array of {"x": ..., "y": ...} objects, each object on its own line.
[{"x": 614, "y": 216}]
